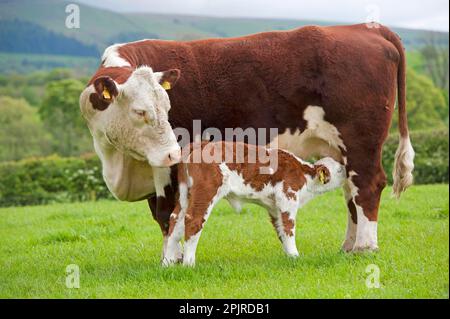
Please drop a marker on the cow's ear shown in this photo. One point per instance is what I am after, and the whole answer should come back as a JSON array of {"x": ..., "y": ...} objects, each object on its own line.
[
  {"x": 106, "y": 88},
  {"x": 168, "y": 78},
  {"x": 322, "y": 174},
  {"x": 105, "y": 92}
]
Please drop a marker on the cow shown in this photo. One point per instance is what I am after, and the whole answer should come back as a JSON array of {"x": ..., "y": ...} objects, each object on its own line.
[
  {"x": 329, "y": 91},
  {"x": 237, "y": 178}
]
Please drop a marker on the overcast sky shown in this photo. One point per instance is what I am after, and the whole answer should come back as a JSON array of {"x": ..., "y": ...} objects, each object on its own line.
[{"x": 419, "y": 14}]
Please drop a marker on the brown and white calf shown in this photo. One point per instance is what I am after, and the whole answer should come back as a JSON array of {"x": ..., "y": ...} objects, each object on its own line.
[{"x": 289, "y": 186}]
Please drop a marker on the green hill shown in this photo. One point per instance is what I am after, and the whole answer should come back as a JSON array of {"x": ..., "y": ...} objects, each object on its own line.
[
  {"x": 45, "y": 20},
  {"x": 26, "y": 37},
  {"x": 103, "y": 27}
]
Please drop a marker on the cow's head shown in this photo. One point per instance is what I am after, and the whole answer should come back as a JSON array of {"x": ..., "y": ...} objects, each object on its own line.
[{"x": 133, "y": 116}]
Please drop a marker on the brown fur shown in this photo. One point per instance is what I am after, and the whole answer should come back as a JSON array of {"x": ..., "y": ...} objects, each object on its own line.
[
  {"x": 288, "y": 224},
  {"x": 268, "y": 79},
  {"x": 207, "y": 178}
]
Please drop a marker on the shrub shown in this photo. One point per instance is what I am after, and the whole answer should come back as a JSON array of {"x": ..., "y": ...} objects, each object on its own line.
[
  {"x": 37, "y": 181},
  {"x": 54, "y": 179},
  {"x": 431, "y": 161}
]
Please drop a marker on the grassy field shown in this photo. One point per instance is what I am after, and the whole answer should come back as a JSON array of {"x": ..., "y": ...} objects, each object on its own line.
[{"x": 117, "y": 248}]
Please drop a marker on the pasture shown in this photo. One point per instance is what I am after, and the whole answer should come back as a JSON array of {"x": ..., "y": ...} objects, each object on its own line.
[{"x": 117, "y": 247}]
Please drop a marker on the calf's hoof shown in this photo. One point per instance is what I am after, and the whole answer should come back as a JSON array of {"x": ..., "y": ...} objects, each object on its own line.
[
  {"x": 293, "y": 255},
  {"x": 188, "y": 262}
]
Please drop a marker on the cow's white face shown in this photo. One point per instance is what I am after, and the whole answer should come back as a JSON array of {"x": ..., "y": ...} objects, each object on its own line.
[{"x": 133, "y": 117}]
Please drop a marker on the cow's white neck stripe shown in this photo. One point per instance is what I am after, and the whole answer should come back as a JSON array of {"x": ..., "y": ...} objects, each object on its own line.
[{"x": 111, "y": 57}]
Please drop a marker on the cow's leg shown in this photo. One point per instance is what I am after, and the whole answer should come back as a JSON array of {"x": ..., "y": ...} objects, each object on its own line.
[
  {"x": 284, "y": 224},
  {"x": 364, "y": 188},
  {"x": 153, "y": 205},
  {"x": 350, "y": 236}
]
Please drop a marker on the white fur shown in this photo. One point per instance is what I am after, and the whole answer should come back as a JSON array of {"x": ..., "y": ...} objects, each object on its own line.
[
  {"x": 174, "y": 250},
  {"x": 161, "y": 177},
  {"x": 320, "y": 138},
  {"x": 111, "y": 57},
  {"x": 366, "y": 233},
  {"x": 126, "y": 178},
  {"x": 403, "y": 166},
  {"x": 350, "y": 191},
  {"x": 366, "y": 237},
  {"x": 350, "y": 236},
  {"x": 190, "y": 245},
  {"x": 272, "y": 197},
  {"x": 126, "y": 145}
]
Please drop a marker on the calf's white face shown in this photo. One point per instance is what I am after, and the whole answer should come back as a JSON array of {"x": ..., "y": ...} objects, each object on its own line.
[
  {"x": 330, "y": 175},
  {"x": 133, "y": 117}
]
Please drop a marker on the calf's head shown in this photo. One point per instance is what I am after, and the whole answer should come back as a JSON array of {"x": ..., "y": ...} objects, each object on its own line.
[
  {"x": 133, "y": 116},
  {"x": 329, "y": 175}
]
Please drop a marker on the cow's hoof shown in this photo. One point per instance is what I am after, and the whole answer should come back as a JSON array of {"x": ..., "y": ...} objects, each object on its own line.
[
  {"x": 364, "y": 249},
  {"x": 167, "y": 262},
  {"x": 347, "y": 246}
]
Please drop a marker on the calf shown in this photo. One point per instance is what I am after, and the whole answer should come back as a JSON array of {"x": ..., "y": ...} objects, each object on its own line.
[{"x": 282, "y": 192}]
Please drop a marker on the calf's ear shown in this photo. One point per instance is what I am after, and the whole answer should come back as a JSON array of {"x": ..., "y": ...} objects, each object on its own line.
[
  {"x": 105, "y": 92},
  {"x": 168, "y": 78},
  {"x": 322, "y": 174}
]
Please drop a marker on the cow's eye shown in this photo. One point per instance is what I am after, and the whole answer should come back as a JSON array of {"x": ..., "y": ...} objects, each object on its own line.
[
  {"x": 147, "y": 117},
  {"x": 140, "y": 112}
]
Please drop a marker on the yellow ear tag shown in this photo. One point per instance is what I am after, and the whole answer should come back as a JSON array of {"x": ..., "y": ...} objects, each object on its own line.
[
  {"x": 322, "y": 177},
  {"x": 106, "y": 94},
  {"x": 166, "y": 85}
]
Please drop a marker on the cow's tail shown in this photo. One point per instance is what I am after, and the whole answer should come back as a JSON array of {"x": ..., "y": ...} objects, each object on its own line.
[{"x": 404, "y": 157}]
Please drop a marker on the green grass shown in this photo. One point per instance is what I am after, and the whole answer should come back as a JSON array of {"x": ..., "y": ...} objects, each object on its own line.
[{"x": 117, "y": 247}]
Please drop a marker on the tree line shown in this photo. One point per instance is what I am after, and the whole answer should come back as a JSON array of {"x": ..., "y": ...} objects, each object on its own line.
[
  {"x": 39, "y": 112},
  {"x": 26, "y": 37}
]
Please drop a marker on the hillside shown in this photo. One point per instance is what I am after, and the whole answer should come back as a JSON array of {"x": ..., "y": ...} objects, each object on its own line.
[
  {"x": 38, "y": 27},
  {"x": 96, "y": 24},
  {"x": 26, "y": 37}
]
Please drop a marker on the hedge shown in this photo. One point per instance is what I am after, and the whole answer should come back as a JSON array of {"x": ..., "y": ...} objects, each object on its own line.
[
  {"x": 38, "y": 181},
  {"x": 431, "y": 161},
  {"x": 54, "y": 179}
]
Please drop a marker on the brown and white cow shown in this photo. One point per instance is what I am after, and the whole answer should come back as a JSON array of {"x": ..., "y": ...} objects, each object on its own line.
[
  {"x": 330, "y": 91},
  {"x": 237, "y": 178}
]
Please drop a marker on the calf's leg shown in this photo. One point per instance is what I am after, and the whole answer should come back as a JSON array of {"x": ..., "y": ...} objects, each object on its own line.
[
  {"x": 201, "y": 203},
  {"x": 173, "y": 249},
  {"x": 284, "y": 224},
  {"x": 163, "y": 203}
]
